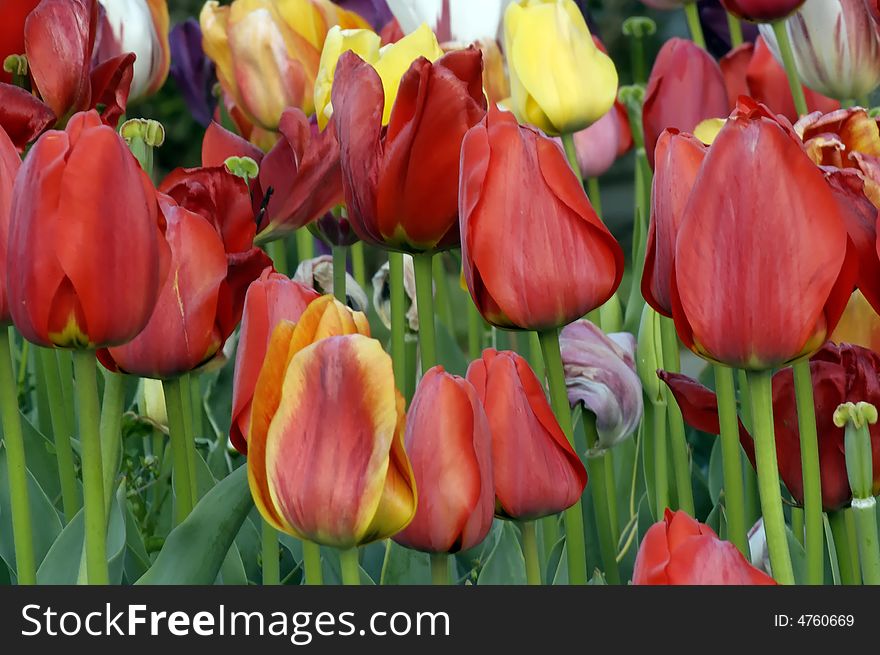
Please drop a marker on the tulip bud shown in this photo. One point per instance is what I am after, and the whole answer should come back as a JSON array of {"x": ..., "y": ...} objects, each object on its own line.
[
  {"x": 649, "y": 355},
  {"x": 154, "y": 402},
  {"x": 536, "y": 472},
  {"x": 600, "y": 372},
  {"x": 450, "y": 446},
  {"x": 317, "y": 274},
  {"x": 549, "y": 47}
]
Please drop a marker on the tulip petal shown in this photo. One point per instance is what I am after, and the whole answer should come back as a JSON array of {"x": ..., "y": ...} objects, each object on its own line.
[
  {"x": 9, "y": 166},
  {"x": 219, "y": 144},
  {"x": 22, "y": 116},
  {"x": 111, "y": 83}
]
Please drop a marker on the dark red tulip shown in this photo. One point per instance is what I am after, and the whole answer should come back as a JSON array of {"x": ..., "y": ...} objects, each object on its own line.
[
  {"x": 9, "y": 165},
  {"x": 762, "y": 11},
  {"x": 14, "y": 13},
  {"x": 520, "y": 197},
  {"x": 536, "y": 472},
  {"x": 844, "y": 373},
  {"x": 270, "y": 299},
  {"x": 449, "y": 444},
  {"x": 763, "y": 266},
  {"x": 83, "y": 265},
  {"x": 681, "y": 551},
  {"x": 685, "y": 88},
  {"x": 401, "y": 183}
]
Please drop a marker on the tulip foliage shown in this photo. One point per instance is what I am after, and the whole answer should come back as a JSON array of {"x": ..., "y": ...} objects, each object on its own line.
[{"x": 343, "y": 302}]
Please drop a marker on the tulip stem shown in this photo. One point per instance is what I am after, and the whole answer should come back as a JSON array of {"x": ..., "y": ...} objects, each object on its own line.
[
  {"x": 439, "y": 569},
  {"x": 865, "y": 514},
  {"x": 594, "y": 191},
  {"x": 806, "y": 409},
  {"x": 111, "y": 434},
  {"x": 571, "y": 154},
  {"x": 734, "y": 495},
  {"x": 85, "y": 366},
  {"x": 677, "y": 438},
  {"x": 596, "y": 459},
  {"x": 351, "y": 570},
  {"x": 693, "y": 20},
  {"x": 441, "y": 283},
  {"x": 177, "y": 433},
  {"x": 574, "y": 520},
  {"x": 312, "y": 563},
  {"x": 425, "y": 303},
  {"x": 190, "y": 440},
  {"x": 61, "y": 432},
  {"x": 536, "y": 360},
  {"x": 359, "y": 264},
  {"x": 65, "y": 374},
  {"x": 768, "y": 475},
  {"x": 26, "y": 569},
  {"x": 530, "y": 552},
  {"x": 794, "y": 81},
  {"x": 398, "y": 318},
  {"x": 475, "y": 331},
  {"x": 271, "y": 562},
  {"x": 847, "y": 556},
  {"x": 661, "y": 459},
  {"x": 340, "y": 254},
  {"x": 305, "y": 245},
  {"x": 736, "y": 31},
  {"x": 276, "y": 250}
]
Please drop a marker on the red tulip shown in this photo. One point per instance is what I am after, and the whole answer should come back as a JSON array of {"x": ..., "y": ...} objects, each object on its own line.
[
  {"x": 681, "y": 551},
  {"x": 14, "y": 13},
  {"x": 752, "y": 70},
  {"x": 83, "y": 265},
  {"x": 9, "y": 165},
  {"x": 59, "y": 40},
  {"x": 685, "y": 88},
  {"x": 535, "y": 254},
  {"x": 844, "y": 373},
  {"x": 450, "y": 447},
  {"x": 401, "y": 183},
  {"x": 536, "y": 472},
  {"x": 270, "y": 299},
  {"x": 763, "y": 266},
  {"x": 762, "y": 11}
]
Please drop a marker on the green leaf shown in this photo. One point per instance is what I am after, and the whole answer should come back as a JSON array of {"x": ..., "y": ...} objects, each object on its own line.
[
  {"x": 232, "y": 571},
  {"x": 560, "y": 575},
  {"x": 406, "y": 567},
  {"x": 449, "y": 352},
  {"x": 41, "y": 459},
  {"x": 194, "y": 551},
  {"x": 798, "y": 557},
  {"x": 137, "y": 560},
  {"x": 555, "y": 562},
  {"x": 506, "y": 564}
]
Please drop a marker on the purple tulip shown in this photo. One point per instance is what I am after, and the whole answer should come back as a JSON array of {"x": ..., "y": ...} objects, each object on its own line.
[
  {"x": 193, "y": 71},
  {"x": 713, "y": 18},
  {"x": 375, "y": 12}
]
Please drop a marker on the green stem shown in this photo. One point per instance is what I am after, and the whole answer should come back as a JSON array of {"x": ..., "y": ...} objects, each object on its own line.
[
  {"x": 768, "y": 475},
  {"x": 549, "y": 534},
  {"x": 677, "y": 438},
  {"x": 61, "y": 432},
  {"x": 190, "y": 440},
  {"x": 359, "y": 264},
  {"x": 571, "y": 154},
  {"x": 693, "y": 21},
  {"x": 65, "y": 374},
  {"x": 806, "y": 409},
  {"x": 111, "y": 433},
  {"x": 734, "y": 495},
  {"x": 530, "y": 552},
  {"x": 177, "y": 433},
  {"x": 398, "y": 318},
  {"x": 797, "y": 524},
  {"x": 595, "y": 194},
  {"x": 475, "y": 330},
  {"x": 611, "y": 495},
  {"x": 439, "y": 569},
  {"x": 271, "y": 561},
  {"x": 736, "y": 31},
  {"x": 574, "y": 520},
  {"x": 425, "y": 303},
  {"x": 195, "y": 391},
  {"x": 26, "y": 569},
  {"x": 661, "y": 459},
  {"x": 637, "y": 59},
  {"x": 312, "y": 563},
  {"x": 865, "y": 513},
  {"x": 339, "y": 263},
  {"x": 536, "y": 360},
  {"x": 794, "y": 81},
  {"x": 852, "y": 540},
  {"x": 348, "y": 562},
  {"x": 278, "y": 252},
  {"x": 30, "y": 359},
  {"x": 441, "y": 283},
  {"x": 599, "y": 486},
  {"x": 848, "y": 572},
  {"x": 85, "y": 366},
  {"x": 305, "y": 244}
]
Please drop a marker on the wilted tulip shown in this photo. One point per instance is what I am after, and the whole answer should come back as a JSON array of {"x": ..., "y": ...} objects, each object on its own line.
[
  {"x": 600, "y": 372},
  {"x": 392, "y": 203},
  {"x": 66, "y": 73},
  {"x": 192, "y": 71},
  {"x": 9, "y": 165},
  {"x": 758, "y": 298},
  {"x": 450, "y": 446},
  {"x": 317, "y": 274},
  {"x": 344, "y": 491},
  {"x": 269, "y": 300},
  {"x": 382, "y": 294},
  {"x": 267, "y": 53},
  {"x": 536, "y": 472},
  {"x": 761, "y": 11},
  {"x": 519, "y": 195},
  {"x": 141, "y": 27},
  {"x": 560, "y": 81},
  {"x": 685, "y": 87},
  {"x": 836, "y": 46},
  {"x": 83, "y": 260},
  {"x": 681, "y": 551}
]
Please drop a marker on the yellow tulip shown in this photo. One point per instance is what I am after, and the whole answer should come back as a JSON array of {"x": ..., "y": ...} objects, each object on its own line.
[
  {"x": 560, "y": 81},
  {"x": 707, "y": 130},
  {"x": 363, "y": 43}
]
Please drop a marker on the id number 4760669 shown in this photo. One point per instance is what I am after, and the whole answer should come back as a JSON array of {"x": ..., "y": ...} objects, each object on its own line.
[{"x": 814, "y": 621}]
